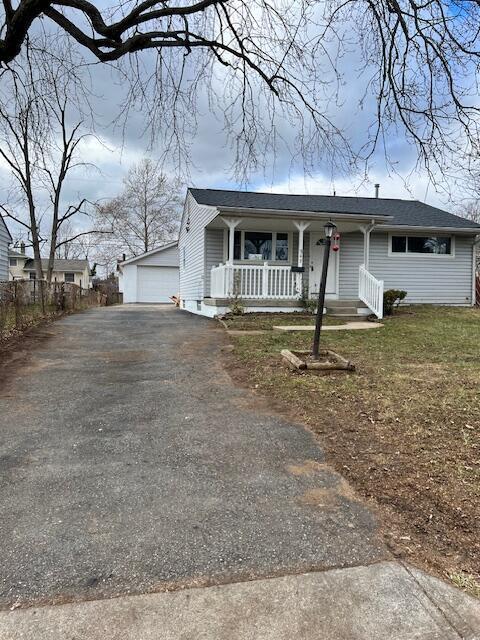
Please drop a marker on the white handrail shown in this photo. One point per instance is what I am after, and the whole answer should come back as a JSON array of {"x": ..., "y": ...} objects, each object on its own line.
[
  {"x": 272, "y": 282},
  {"x": 370, "y": 291}
]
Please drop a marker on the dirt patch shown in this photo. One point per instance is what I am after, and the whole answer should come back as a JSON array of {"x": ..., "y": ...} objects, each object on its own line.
[
  {"x": 15, "y": 353},
  {"x": 308, "y": 468},
  {"x": 123, "y": 356}
]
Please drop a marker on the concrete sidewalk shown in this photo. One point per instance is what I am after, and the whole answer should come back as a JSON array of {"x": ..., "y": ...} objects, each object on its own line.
[{"x": 384, "y": 601}]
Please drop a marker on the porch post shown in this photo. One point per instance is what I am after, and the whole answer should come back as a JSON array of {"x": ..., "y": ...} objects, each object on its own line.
[
  {"x": 367, "y": 230},
  {"x": 301, "y": 227},
  {"x": 231, "y": 223}
]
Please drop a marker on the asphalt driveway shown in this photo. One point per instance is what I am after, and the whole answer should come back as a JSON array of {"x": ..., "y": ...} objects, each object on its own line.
[{"x": 129, "y": 462}]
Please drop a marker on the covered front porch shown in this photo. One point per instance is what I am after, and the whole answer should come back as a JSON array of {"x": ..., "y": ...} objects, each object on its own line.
[{"x": 276, "y": 261}]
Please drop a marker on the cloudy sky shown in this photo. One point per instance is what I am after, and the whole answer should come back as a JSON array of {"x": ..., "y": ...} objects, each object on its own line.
[{"x": 118, "y": 144}]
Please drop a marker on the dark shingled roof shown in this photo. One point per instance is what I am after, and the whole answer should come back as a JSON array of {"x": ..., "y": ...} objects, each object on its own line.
[
  {"x": 58, "y": 265},
  {"x": 404, "y": 212},
  {"x": 15, "y": 254}
]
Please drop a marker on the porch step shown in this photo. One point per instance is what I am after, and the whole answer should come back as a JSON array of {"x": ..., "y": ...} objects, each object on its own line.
[
  {"x": 339, "y": 304},
  {"x": 346, "y": 312}
]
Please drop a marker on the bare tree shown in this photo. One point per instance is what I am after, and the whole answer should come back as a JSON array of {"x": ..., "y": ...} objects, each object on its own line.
[
  {"x": 470, "y": 210},
  {"x": 39, "y": 146},
  {"x": 71, "y": 245},
  {"x": 253, "y": 60},
  {"x": 146, "y": 214}
]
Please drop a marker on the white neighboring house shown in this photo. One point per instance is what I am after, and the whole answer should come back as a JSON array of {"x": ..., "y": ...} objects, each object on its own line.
[
  {"x": 5, "y": 240},
  {"x": 267, "y": 249},
  {"x": 22, "y": 267},
  {"x": 151, "y": 276}
]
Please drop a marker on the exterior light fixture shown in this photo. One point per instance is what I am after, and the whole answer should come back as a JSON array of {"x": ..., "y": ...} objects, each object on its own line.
[{"x": 329, "y": 228}]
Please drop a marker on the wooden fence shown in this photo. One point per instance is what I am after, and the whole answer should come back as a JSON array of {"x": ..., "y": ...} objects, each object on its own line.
[{"x": 25, "y": 302}]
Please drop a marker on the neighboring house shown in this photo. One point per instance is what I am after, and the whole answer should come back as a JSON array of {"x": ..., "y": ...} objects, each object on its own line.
[
  {"x": 151, "y": 276},
  {"x": 5, "y": 240},
  {"x": 22, "y": 267},
  {"x": 244, "y": 244}
]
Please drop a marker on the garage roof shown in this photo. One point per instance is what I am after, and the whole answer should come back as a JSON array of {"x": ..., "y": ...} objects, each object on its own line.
[{"x": 149, "y": 253}]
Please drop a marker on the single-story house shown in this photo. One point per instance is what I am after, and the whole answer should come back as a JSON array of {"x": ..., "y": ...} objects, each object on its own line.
[
  {"x": 151, "y": 276},
  {"x": 22, "y": 267},
  {"x": 267, "y": 249},
  {"x": 5, "y": 240}
]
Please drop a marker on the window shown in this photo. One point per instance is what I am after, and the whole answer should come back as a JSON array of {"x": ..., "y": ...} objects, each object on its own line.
[
  {"x": 13, "y": 262},
  {"x": 32, "y": 275},
  {"x": 436, "y": 245},
  {"x": 281, "y": 246},
  {"x": 257, "y": 245},
  {"x": 260, "y": 245},
  {"x": 69, "y": 277}
]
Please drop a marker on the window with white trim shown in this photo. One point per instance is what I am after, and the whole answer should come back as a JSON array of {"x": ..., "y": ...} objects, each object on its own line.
[
  {"x": 434, "y": 245},
  {"x": 69, "y": 276},
  {"x": 261, "y": 245}
]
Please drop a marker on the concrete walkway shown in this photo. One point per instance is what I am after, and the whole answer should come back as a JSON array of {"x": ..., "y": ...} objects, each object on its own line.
[
  {"x": 360, "y": 325},
  {"x": 130, "y": 464},
  {"x": 384, "y": 601}
]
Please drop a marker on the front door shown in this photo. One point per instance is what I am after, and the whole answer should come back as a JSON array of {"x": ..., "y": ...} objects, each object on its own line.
[{"x": 316, "y": 261}]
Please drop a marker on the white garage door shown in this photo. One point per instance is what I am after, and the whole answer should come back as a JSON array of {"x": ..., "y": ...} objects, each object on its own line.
[{"x": 157, "y": 284}]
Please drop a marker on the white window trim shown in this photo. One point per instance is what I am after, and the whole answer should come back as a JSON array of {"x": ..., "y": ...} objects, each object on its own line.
[
  {"x": 428, "y": 256},
  {"x": 274, "y": 244}
]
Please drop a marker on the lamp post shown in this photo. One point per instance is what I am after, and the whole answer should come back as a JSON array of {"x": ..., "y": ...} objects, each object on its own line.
[{"x": 329, "y": 228}]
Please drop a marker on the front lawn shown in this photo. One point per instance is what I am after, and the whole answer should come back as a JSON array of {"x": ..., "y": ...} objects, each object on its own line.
[{"x": 404, "y": 429}]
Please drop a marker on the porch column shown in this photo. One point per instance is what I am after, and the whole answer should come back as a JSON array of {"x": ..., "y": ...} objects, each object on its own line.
[
  {"x": 367, "y": 230},
  {"x": 231, "y": 223},
  {"x": 301, "y": 227}
]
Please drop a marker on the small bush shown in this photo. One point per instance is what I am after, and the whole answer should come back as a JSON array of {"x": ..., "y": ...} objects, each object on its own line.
[
  {"x": 391, "y": 299},
  {"x": 236, "y": 306},
  {"x": 309, "y": 304}
]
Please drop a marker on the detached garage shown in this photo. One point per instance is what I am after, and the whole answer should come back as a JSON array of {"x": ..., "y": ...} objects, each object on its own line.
[{"x": 152, "y": 276}]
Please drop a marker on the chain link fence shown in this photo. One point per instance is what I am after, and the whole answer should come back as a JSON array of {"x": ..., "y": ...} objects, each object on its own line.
[{"x": 23, "y": 303}]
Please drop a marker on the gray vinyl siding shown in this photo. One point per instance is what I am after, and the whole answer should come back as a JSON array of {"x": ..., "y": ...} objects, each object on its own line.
[
  {"x": 4, "y": 240},
  {"x": 351, "y": 256},
  {"x": 166, "y": 258},
  {"x": 191, "y": 247},
  {"x": 427, "y": 279},
  {"x": 214, "y": 253}
]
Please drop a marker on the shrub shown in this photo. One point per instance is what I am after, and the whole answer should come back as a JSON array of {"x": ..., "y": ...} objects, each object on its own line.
[
  {"x": 391, "y": 299},
  {"x": 309, "y": 304}
]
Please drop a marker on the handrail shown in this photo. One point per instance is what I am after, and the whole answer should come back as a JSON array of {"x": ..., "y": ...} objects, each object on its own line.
[{"x": 370, "y": 291}]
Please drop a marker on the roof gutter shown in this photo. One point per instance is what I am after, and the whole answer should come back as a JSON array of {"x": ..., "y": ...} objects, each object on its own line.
[
  {"x": 306, "y": 215},
  {"x": 408, "y": 227}
]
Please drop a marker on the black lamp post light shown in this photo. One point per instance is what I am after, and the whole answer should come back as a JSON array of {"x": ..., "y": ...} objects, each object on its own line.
[
  {"x": 329, "y": 229},
  {"x": 310, "y": 360}
]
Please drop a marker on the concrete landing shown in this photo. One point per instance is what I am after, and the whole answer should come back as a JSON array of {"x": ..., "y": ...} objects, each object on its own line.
[
  {"x": 384, "y": 601},
  {"x": 348, "y": 326}
]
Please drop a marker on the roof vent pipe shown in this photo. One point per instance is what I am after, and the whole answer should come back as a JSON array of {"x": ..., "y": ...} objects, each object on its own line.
[{"x": 377, "y": 189}]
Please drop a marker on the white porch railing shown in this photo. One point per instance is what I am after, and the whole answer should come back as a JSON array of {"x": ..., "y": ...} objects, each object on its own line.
[
  {"x": 370, "y": 291},
  {"x": 254, "y": 281}
]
